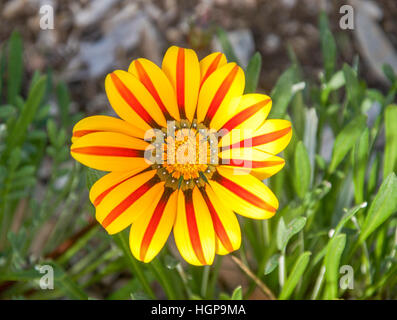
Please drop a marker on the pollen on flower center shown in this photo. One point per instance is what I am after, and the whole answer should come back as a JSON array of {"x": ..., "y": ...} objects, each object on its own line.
[{"x": 187, "y": 156}]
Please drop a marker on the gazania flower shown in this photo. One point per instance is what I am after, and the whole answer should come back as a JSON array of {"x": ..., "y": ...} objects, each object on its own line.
[{"x": 198, "y": 199}]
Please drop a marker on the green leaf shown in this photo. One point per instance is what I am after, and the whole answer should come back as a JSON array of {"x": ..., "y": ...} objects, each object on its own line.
[
  {"x": 285, "y": 233},
  {"x": 122, "y": 242},
  {"x": 283, "y": 92},
  {"x": 237, "y": 294},
  {"x": 7, "y": 111},
  {"x": 92, "y": 176},
  {"x": 302, "y": 171},
  {"x": 28, "y": 112},
  {"x": 382, "y": 207},
  {"x": 328, "y": 46},
  {"x": 346, "y": 139},
  {"x": 332, "y": 259},
  {"x": 272, "y": 263},
  {"x": 295, "y": 275},
  {"x": 360, "y": 160},
  {"x": 15, "y": 67},
  {"x": 390, "y": 157},
  {"x": 389, "y": 72},
  {"x": 252, "y": 73},
  {"x": 353, "y": 88},
  {"x": 63, "y": 102},
  {"x": 226, "y": 45}
]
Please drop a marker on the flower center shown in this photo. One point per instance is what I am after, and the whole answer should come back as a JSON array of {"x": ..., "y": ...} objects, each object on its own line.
[{"x": 188, "y": 155}]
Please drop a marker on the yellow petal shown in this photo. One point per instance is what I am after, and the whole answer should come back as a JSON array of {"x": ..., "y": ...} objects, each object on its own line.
[
  {"x": 193, "y": 230},
  {"x": 220, "y": 95},
  {"x": 251, "y": 112},
  {"x": 105, "y": 124},
  {"x": 183, "y": 70},
  {"x": 272, "y": 137},
  {"x": 226, "y": 226},
  {"x": 260, "y": 164},
  {"x": 243, "y": 193},
  {"x": 101, "y": 188},
  {"x": 128, "y": 200},
  {"x": 132, "y": 101},
  {"x": 157, "y": 83},
  {"x": 211, "y": 63},
  {"x": 110, "y": 151},
  {"x": 151, "y": 230}
]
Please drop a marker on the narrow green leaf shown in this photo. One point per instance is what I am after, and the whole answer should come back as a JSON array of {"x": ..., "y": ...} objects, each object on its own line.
[
  {"x": 328, "y": 46},
  {"x": 285, "y": 233},
  {"x": 360, "y": 161},
  {"x": 353, "y": 89},
  {"x": 271, "y": 264},
  {"x": 382, "y": 207},
  {"x": 345, "y": 140},
  {"x": 226, "y": 45},
  {"x": 390, "y": 157},
  {"x": 92, "y": 176},
  {"x": 283, "y": 92},
  {"x": 15, "y": 67},
  {"x": 252, "y": 73},
  {"x": 28, "y": 112},
  {"x": 389, "y": 72},
  {"x": 332, "y": 260},
  {"x": 302, "y": 172},
  {"x": 295, "y": 275},
  {"x": 63, "y": 102},
  {"x": 237, "y": 294},
  {"x": 122, "y": 242}
]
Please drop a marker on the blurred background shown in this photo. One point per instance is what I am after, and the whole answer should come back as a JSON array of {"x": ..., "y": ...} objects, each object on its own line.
[{"x": 91, "y": 38}]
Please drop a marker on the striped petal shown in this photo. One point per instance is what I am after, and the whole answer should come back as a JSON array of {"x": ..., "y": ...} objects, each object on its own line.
[
  {"x": 105, "y": 124},
  {"x": 157, "y": 83},
  {"x": 101, "y": 188},
  {"x": 193, "y": 230},
  {"x": 250, "y": 113},
  {"x": 249, "y": 160},
  {"x": 244, "y": 194},
  {"x": 183, "y": 70},
  {"x": 132, "y": 101},
  {"x": 110, "y": 151},
  {"x": 151, "y": 230},
  {"x": 220, "y": 94},
  {"x": 128, "y": 200},
  {"x": 211, "y": 63},
  {"x": 226, "y": 226},
  {"x": 272, "y": 137}
]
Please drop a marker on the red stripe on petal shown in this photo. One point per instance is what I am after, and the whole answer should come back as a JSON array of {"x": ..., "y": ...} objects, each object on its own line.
[
  {"x": 242, "y": 193},
  {"x": 192, "y": 226},
  {"x": 147, "y": 82},
  {"x": 244, "y": 115},
  {"x": 180, "y": 81},
  {"x": 220, "y": 95},
  {"x": 109, "y": 151},
  {"x": 250, "y": 163},
  {"x": 154, "y": 222},
  {"x": 262, "y": 139},
  {"x": 127, "y": 202},
  {"x": 214, "y": 64},
  {"x": 218, "y": 226},
  {"x": 101, "y": 196},
  {"x": 80, "y": 133},
  {"x": 132, "y": 101}
]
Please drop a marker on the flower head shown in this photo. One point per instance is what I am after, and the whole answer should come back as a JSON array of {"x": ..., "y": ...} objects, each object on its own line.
[{"x": 188, "y": 153}]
